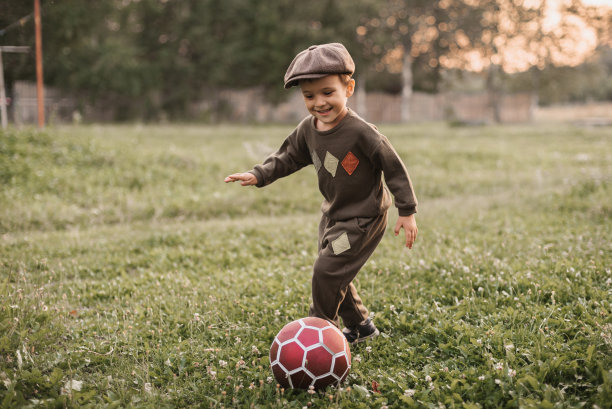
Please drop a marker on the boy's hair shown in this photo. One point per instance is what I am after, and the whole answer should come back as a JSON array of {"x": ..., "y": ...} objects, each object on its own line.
[{"x": 345, "y": 78}]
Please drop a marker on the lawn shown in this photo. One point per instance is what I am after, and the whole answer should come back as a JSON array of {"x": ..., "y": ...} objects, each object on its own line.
[{"x": 132, "y": 276}]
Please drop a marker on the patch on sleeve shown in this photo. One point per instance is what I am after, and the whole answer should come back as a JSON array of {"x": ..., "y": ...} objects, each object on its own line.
[
  {"x": 331, "y": 163},
  {"x": 315, "y": 160},
  {"x": 341, "y": 244},
  {"x": 350, "y": 162}
]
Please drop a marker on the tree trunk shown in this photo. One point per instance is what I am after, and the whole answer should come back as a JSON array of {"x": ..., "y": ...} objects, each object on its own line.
[
  {"x": 535, "y": 91},
  {"x": 406, "y": 85},
  {"x": 362, "y": 107},
  {"x": 494, "y": 91}
]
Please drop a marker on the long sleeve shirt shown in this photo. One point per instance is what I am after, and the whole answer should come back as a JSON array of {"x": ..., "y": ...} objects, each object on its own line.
[{"x": 350, "y": 160}]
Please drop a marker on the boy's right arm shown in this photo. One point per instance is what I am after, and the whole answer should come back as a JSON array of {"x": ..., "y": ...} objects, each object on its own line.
[
  {"x": 247, "y": 179},
  {"x": 290, "y": 157}
]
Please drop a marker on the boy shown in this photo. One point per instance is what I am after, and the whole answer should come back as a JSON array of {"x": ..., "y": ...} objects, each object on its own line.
[{"x": 349, "y": 156}]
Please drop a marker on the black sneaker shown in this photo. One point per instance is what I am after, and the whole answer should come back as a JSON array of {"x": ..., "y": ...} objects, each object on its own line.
[{"x": 362, "y": 332}]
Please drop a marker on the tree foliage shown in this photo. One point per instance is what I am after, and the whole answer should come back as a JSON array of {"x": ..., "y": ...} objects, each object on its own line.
[{"x": 151, "y": 58}]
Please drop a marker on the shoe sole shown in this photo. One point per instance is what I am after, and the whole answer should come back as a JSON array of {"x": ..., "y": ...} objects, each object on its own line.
[{"x": 363, "y": 339}]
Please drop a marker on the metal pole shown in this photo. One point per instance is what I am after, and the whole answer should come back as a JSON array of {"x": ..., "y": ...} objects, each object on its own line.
[
  {"x": 2, "y": 95},
  {"x": 3, "y": 103},
  {"x": 39, "y": 68}
]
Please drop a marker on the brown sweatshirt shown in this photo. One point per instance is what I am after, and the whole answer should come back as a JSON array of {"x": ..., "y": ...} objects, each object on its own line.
[{"x": 349, "y": 160}]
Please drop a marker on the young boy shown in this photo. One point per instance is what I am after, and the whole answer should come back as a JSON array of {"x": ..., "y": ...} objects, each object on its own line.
[{"x": 349, "y": 156}]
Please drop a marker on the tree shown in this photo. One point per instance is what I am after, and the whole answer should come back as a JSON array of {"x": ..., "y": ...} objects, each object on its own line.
[
  {"x": 388, "y": 36},
  {"x": 519, "y": 36},
  {"x": 151, "y": 59},
  {"x": 412, "y": 36}
]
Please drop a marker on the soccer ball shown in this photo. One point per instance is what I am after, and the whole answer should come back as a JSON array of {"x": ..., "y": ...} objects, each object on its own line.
[{"x": 310, "y": 352}]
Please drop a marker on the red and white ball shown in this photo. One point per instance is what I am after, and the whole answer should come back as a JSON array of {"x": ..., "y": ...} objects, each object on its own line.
[{"x": 310, "y": 352}]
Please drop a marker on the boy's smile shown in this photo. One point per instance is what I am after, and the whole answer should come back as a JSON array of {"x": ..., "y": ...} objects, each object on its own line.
[{"x": 325, "y": 99}]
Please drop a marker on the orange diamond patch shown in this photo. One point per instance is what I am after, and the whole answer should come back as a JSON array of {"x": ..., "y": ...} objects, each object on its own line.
[{"x": 350, "y": 162}]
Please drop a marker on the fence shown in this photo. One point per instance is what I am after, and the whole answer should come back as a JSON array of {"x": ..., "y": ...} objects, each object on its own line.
[
  {"x": 250, "y": 106},
  {"x": 591, "y": 113},
  {"x": 24, "y": 110}
]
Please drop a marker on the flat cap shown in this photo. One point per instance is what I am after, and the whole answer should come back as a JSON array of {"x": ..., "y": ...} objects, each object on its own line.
[{"x": 318, "y": 61}]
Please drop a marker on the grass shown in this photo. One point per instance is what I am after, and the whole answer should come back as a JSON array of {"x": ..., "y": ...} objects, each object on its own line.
[{"x": 132, "y": 276}]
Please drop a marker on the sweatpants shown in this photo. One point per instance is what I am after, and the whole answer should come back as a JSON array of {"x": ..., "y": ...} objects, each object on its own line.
[{"x": 344, "y": 247}]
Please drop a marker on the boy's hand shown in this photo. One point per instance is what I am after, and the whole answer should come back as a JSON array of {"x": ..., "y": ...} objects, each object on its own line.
[
  {"x": 247, "y": 179},
  {"x": 408, "y": 223}
]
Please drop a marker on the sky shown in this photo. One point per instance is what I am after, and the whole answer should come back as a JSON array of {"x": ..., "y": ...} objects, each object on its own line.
[{"x": 598, "y": 2}]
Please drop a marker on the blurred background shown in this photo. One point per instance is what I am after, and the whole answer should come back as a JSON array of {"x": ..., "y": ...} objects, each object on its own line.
[{"x": 466, "y": 61}]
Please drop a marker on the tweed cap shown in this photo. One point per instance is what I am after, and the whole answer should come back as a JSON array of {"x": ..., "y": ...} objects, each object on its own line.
[{"x": 318, "y": 61}]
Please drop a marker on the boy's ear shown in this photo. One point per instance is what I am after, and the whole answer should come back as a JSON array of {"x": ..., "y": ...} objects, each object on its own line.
[{"x": 350, "y": 88}]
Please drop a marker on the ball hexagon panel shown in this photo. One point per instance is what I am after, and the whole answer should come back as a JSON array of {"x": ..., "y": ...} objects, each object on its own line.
[
  {"x": 319, "y": 361},
  {"x": 280, "y": 374},
  {"x": 291, "y": 355},
  {"x": 325, "y": 381},
  {"x": 274, "y": 351},
  {"x": 310, "y": 352},
  {"x": 316, "y": 323},
  {"x": 288, "y": 331},
  {"x": 342, "y": 363},
  {"x": 301, "y": 379},
  {"x": 332, "y": 341},
  {"x": 308, "y": 336}
]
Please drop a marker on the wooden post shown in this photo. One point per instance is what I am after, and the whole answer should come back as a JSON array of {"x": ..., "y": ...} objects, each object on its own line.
[
  {"x": 2, "y": 95},
  {"x": 406, "y": 85},
  {"x": 362, "y": 107},
  {"x": 40, "y": 91},
  {"x": 6, "y": 49}
]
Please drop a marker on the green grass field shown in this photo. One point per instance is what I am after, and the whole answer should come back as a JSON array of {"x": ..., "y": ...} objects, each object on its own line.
[{"x": 132, "y": 276}]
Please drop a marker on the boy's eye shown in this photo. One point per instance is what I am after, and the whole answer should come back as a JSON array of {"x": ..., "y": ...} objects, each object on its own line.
[
  {"x": 328, "y": 92},
  {"x": 308, "y": 96}
]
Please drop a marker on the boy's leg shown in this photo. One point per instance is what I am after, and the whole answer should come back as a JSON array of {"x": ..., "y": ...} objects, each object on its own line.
[
  {"x": 344, "y": 247},
  {"x": 352, "y": 311}
]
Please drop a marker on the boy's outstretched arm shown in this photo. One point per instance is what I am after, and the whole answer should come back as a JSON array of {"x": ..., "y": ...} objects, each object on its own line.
[
  {"x": 247, "y": 179},
  {"x": 408, "y": 223}
]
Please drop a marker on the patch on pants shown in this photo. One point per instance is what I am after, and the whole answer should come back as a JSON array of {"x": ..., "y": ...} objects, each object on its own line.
[{"x": 341, "y": 244}]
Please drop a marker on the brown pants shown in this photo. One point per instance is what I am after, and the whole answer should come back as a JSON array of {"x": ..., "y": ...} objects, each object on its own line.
[{"x": 344, "y": 247}]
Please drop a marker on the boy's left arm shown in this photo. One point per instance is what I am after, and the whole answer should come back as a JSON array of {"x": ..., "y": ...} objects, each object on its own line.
[
  {"x": 408, "y": 223},
  {"x": 398, "y": 181}
]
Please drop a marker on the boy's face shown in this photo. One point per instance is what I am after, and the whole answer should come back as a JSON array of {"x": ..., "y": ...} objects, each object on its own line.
[{"x": 326, "y": 98}]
